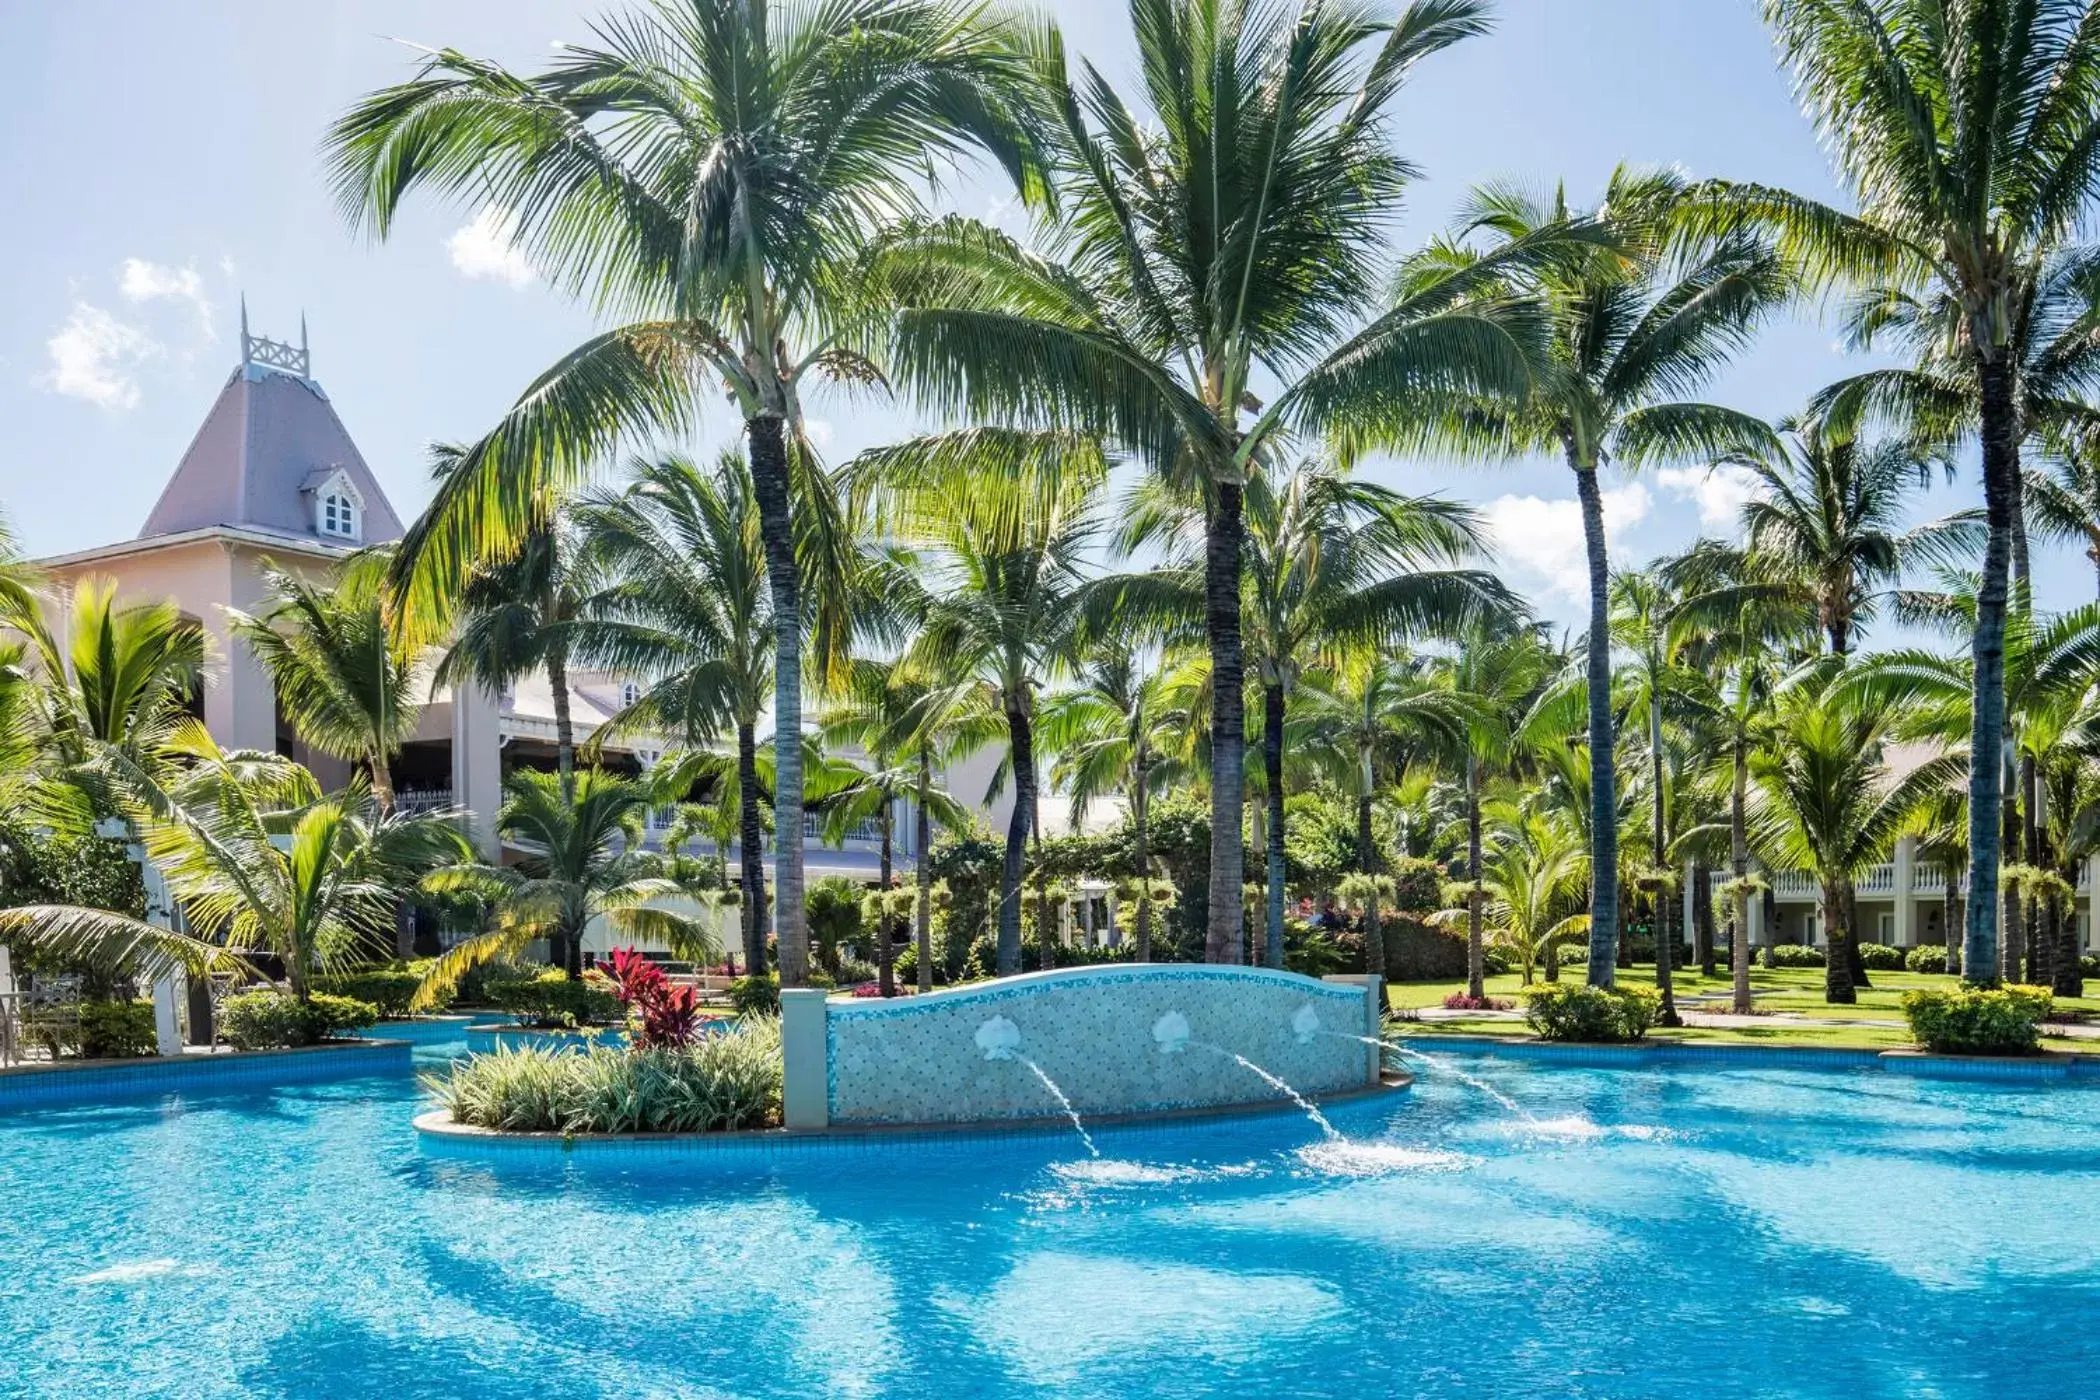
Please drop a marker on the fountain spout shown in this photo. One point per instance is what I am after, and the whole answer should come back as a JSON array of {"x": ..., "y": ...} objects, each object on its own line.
[
  {"x": 1305, "y": 1024},
  {"x": 1171, "y": 1033},
  {"x": 999, "y": 1039}
]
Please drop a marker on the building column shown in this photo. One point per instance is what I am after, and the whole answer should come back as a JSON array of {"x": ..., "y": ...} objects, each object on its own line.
[
  {"x": 477, "y": 763},
  {"x": 1758, "y": 937},
  {"x": 168, "y": 991},
  {"x": 2092, "y": 893},
  {"x": 1906, "y": 912},
  {"x": 1685, "y": 934}
]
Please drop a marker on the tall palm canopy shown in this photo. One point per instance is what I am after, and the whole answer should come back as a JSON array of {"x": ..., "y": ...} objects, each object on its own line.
[
  {"x": 1195, "y": 300},
  {"x": 1969, "y": 131},
  {"x": 703, "y": 173},
  {"x": 1634, "y": 327}
]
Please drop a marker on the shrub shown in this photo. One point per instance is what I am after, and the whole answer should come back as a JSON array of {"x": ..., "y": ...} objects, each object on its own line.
[
  {"x": 388, "y": 988},
  {"x": 117, "y": 1030},
  {"x": 553, "y": 999},
  {"x": 1564, "y": 1011},
  {"x": 1459, "y": 1001},
  {"x": 718, "y": 1084},
  {"x": 1926, "y": 957},
  {"x": 756, "y": 996},
  {"x": 667, "y": 1014},
  {"x": 2089, "y": 965},
  {"x": 1978, "y": 1021},
  {"x": 1793, "y": 955},
  {"x": 1880, "y": 957},
  {"x": 267, "y": 1019},
  {"x": 1497, "y": 961}
]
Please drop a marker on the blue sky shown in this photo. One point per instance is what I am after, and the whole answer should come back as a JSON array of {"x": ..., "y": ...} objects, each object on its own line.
[{"x": 165, "y": 163}]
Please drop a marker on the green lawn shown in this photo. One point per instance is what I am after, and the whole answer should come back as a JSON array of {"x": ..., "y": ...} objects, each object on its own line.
[{"x": 1779, "y": 1033}]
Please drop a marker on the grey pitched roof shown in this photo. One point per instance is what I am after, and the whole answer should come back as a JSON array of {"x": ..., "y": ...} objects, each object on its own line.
[{"x": 269, "y": 439}]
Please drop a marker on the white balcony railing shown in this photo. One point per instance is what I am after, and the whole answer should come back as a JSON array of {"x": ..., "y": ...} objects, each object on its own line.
[{"x": 414, "y": 800}]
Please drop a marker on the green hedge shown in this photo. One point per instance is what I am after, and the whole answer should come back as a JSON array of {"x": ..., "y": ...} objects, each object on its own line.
[
  {"x": 721, "y": 1083},
  {"x": 1926, "y": 957},
  {"x": 1793, "y": 955},
  {"x": 756, "y": 996},
  {"x": 1978, "y": 1021},
  {"x": 1880, "y": 957},
  {"x": 117, "y": 1030},
  {"x": 267, "y": 1019},
  {"x": 388, "y": 988},
  {"x": 552, "y": 998},
  {"x": 1605, "y": 1015}
]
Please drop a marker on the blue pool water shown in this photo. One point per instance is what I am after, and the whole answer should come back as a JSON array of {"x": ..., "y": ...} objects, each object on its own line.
[{"x": 1624, "y": 1233}]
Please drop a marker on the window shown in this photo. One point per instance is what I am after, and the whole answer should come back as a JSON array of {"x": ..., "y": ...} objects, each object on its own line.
[
  {"x": 1887, "y": 928},
  {"x": 630, "y": 695},
  {"x": 338, "y": 515}
]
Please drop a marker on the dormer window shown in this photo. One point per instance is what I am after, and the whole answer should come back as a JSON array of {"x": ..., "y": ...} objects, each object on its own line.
[
  {"x": 630, "y": 695},
  {"x": 338, "y": 516}
]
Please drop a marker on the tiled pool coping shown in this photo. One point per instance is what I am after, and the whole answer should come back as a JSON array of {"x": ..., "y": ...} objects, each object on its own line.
[
  {"x": 44, "y": 1085},
  {"x": 1651, "y": 1054},
  {"x": 441, "y": 1137}
]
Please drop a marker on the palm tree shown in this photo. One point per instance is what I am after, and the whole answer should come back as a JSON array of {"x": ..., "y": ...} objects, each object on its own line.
[
  {"x": 685, "y": 604},
  {"x": 258, "y": 859},
  {"x": 344, "y": 679},
  {"x": 1966, "y": 133},
  {"x": 1827, "y": 515},
  {"x": 1529, "y": 892},
  {"x": 1006, "y": 520},
  {"x": 1119, "y": 730},
  {"x": 518, "y": 614},
  {"x": 1632, "y": 330},
  {"x": 1195, "y": 260},
  {"x": 1330, "y": 562},
  {"x": 712, "y": 171},
  {"x": 1827, "y": 802},
  {"x": 2062, "y": 496},
  {"x": 586, "y": 861},
  {"x": 1495, "y": 673},
  {"x": 879, "y": 713}
]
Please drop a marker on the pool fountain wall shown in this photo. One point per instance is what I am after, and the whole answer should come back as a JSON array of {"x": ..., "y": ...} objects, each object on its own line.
[{"x": 1115, "y": 1040}]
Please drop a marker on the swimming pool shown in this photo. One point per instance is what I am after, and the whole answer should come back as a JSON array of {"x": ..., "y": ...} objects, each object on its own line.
[{"x": 1619, "y": 1233}]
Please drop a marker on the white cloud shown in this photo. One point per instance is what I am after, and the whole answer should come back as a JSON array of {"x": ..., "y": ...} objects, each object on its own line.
[
  {"x": 140, "y": 280},
  {"x": 818, "y": 431},
  {"x": 487, "y": 248},
  {"x": 1721, "y": 492},
  {"x": 1539, "y": 545},
  {"x": 93, "y": 356}
]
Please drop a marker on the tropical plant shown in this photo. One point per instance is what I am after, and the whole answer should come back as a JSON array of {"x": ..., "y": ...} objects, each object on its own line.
[
  {"x": 711, "y": 171},
  {"x": 1528, "y": 893},
  {"x": 1827, "y": 800},
  {"x": 1229, "y": 243},
  {"x": 257, "y": 858},
  {"x": 687, "y": 607},
  {"x": 586, "y": 862},
  {"x": 719, "y": 1083},
  {"x": 344, "y": 680},
  {"x": 1966, "y": 133},
  {"x": 1632, "y": 329}
]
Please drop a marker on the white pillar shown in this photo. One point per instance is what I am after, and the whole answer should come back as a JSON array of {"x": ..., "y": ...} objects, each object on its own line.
[
  {"x": 2092, "y": 901},
  {"x": 1691, "y": 905},
  {"x": 1758, "y": 937},
  {"x": 477, "y": 763},
  {"x": 1906, "y": 912},
  {"x": 160, "y": 912},
  {"x": 805, "y": 1097}
]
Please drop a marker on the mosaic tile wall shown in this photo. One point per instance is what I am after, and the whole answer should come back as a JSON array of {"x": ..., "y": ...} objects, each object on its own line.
[{"x": 945, "y": 1057}]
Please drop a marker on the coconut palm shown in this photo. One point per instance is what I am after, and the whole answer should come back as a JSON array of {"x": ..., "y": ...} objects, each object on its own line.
[
  {"x": 1196, "y": 300},
  {"x": 1634, "y": 329},
  {"x": 1827, "y": 801},
  {"x": 344, "y": 679},
  {"x": 1529, "y": 892},
  {"x": 258, "y": 858},
  {"x": 879, "y": 712},
  {"x": 1827, "y": 515},
  {"x": 584, "y": 861},
  {"x": 1966, "y": 133},
  {"x": 517, "y": 615},
  {"x": 709, "y": 173},
  {"x": 686, "y": 606},
  {"x": 1120, "y": 730},
  {"x": 2061, "y": 496},
  {"x": 1330, "y": 562},
  {"x": 1005, "y": 520}
]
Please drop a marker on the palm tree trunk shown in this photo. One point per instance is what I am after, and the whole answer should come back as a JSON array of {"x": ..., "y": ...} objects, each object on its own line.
[
  {"x": 1854, "y": 962},
  {"x": 1664, "y": 953},
  {"x": 1604, "y": 797},
  {"x": 1367, "y": 859},
  {"x": 2068, "y": 977},
  {"x": 564, "y": 722},
  {"x": 751, "y": 850},
  {"x": 1020, "y": 739},
  {"x": 1739, "y": 866},
  {"x": 1272, "y": 704},
  {"x": 1703, "y": 918},
  {"x": 1142, "y": 858},
  {"x": 1045, "y": 938},
  {"x": 769, "y": 477},
  {"x": 885, "y": 949},
  {"x": 2011, "y": 946},
  {"x": 1837, "y": 965},
  {"x": 1476, "y": 955},
  {"x": 2001, "y": 471},
  {"x": 923, "y": 915},
  {"x": 382, "y": 784},
  {"x": 1950, "y": 918},
  {"x": 2039, "y": 947},
  {"x": 1228, "y": 724}
]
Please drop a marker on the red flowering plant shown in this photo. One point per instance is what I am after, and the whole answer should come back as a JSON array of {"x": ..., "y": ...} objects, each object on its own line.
[{"x": 665, "y": 1015}]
